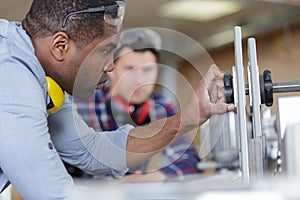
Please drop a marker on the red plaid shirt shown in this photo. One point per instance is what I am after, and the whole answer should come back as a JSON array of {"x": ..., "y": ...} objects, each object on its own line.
[{"x": 179, "y": 158}]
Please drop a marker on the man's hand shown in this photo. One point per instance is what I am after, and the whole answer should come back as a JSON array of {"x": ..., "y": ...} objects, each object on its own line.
[{"x": 208, "y": 99}]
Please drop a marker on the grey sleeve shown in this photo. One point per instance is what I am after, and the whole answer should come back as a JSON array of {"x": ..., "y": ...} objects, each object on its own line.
[
  {"x": 26, "y": 157},
  {"x": 94, "y": 152}
]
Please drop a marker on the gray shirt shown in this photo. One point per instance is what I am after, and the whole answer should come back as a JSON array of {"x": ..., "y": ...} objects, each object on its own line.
[{"x": 32, "y": 143}]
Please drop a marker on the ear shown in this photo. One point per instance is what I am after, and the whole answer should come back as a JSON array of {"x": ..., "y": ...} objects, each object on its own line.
[{"x": 60, "y": 45}]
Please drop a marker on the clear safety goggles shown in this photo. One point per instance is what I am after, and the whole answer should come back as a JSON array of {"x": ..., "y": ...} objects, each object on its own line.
[{"x": 113, "y": 14}]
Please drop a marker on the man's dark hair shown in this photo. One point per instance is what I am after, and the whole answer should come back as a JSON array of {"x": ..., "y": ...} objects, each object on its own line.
[{"x": 45, "y": 18}]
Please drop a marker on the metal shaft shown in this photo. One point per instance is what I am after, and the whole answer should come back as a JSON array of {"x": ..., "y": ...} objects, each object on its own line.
[{"x": 283, "y": 87}]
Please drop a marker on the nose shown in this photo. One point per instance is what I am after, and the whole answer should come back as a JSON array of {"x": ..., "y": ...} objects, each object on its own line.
[
  {"x": 139, "y": 76},
  {"x": 110, "y": 67}
]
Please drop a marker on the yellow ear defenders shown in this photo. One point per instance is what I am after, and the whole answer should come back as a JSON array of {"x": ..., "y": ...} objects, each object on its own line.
[{"x": 56, "y": 94}]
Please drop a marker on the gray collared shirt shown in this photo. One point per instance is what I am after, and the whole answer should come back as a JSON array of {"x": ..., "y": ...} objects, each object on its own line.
[{"x": 32, "y": 143}]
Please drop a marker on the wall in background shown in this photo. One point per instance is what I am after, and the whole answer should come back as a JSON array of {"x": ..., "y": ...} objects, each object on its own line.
[{"x": 278, "y": 52}]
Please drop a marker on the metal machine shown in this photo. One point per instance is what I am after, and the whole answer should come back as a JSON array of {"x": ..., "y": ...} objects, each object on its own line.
[{"x": 252, "y": 142}]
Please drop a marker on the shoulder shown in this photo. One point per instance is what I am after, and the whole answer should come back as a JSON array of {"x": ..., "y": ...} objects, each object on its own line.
[
  {"x": 158, "y": 97},
  {"x": 14, "y": 38},
  {"x": 17, "y": 52},
  {"x": 160, "y": 101},
  {"x": 21, "y": 75},
  {"x": 99, "y": 98}
]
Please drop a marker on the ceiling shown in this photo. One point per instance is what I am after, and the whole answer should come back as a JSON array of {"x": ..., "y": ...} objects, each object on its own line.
[{"x": 256, "y": 17}]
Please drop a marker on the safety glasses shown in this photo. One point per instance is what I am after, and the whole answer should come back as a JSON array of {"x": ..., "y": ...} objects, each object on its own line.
[{"x": 113, "y": 14}]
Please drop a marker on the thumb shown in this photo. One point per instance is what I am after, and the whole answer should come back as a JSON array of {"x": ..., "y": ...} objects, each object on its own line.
[{"x": 221, "y": 108}]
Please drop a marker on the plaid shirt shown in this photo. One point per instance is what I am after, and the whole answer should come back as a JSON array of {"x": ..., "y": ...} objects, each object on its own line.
[{"x": 179, "y": 158}]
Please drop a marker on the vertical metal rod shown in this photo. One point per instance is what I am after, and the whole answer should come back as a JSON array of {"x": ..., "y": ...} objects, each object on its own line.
[
  {"x": 256, "y": 147},
  {"x": 254, "y": 90},
  {"x": 241, "y": 103}
]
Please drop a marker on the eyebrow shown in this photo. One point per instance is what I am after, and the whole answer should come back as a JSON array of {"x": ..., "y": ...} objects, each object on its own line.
[{"x": 111, "y": 45}]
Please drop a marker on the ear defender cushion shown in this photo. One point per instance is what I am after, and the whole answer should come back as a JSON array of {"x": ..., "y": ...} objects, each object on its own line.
[
  {"x": 124, "y": 113},
  {"x": 56, "y": 94},
  {"x": 120, "y": 111}
]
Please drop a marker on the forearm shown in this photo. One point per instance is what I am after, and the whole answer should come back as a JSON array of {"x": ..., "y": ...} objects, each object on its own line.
[{"x": 143, "y": 142}]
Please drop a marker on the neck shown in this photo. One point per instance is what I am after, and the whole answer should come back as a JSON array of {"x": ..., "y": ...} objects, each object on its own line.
[{"x": 41, "y": 51}]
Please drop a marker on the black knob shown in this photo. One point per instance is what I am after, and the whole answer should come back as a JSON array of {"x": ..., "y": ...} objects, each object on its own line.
[
  {"x": 268, "y": 88},
  {"x": 228, "y": 88}
]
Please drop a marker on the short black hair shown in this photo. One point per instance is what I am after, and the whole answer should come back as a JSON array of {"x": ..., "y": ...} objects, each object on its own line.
[{"x": 45, "y": 18}]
